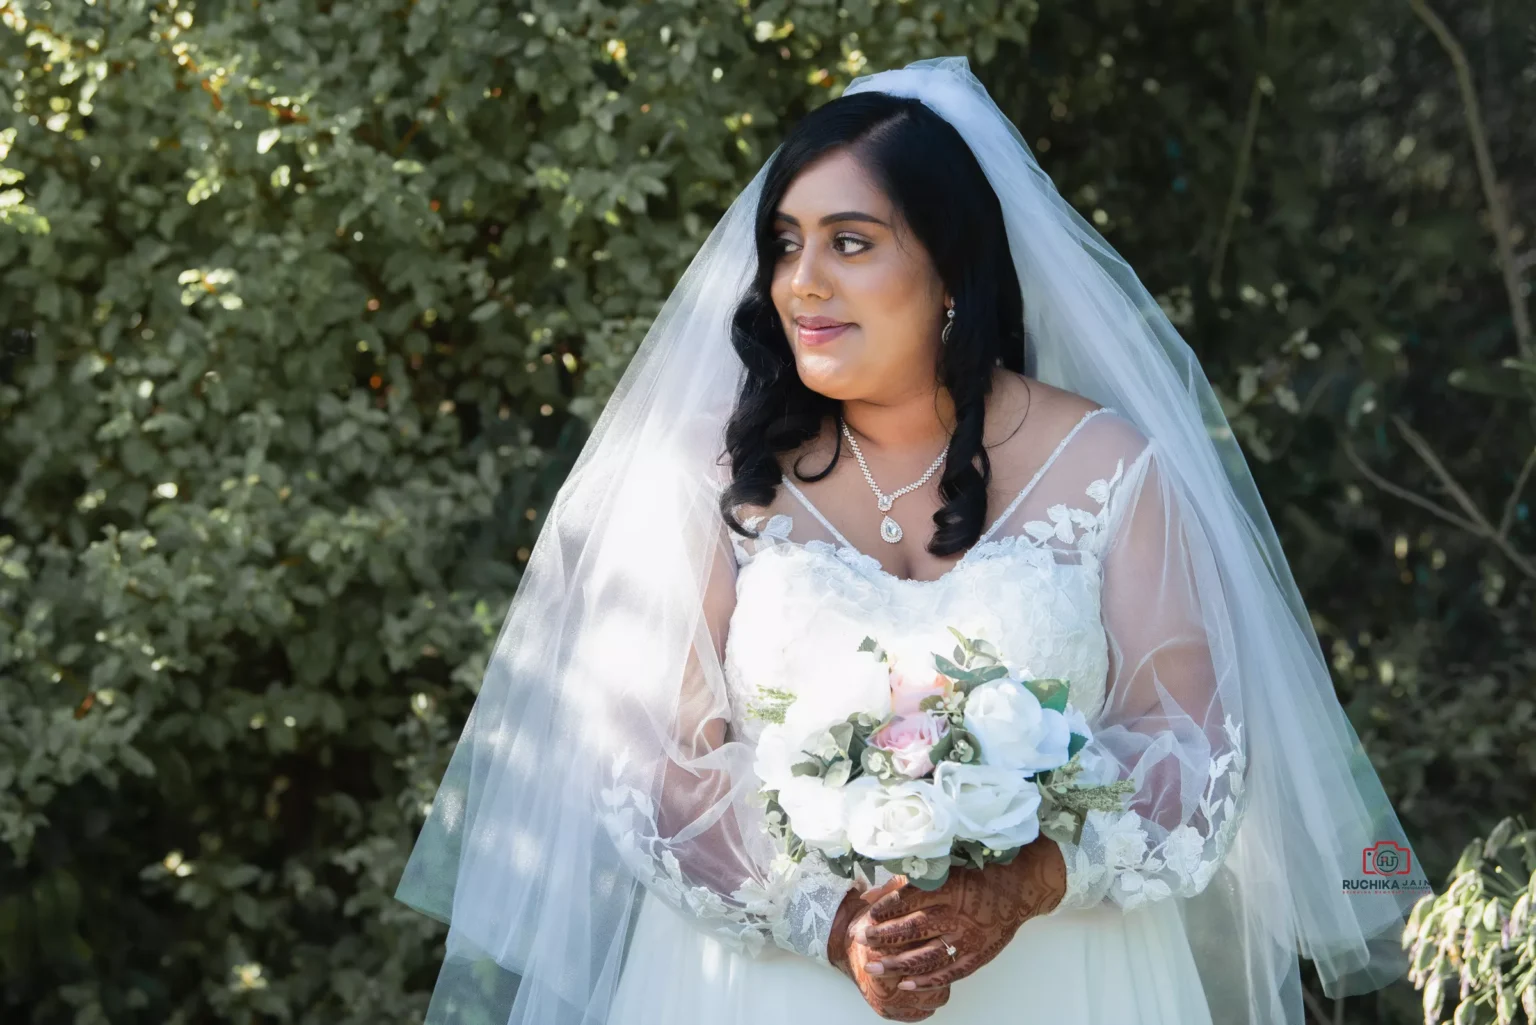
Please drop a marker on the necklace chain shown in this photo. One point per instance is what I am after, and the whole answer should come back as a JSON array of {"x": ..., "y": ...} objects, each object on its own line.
[{"x": 882, "y": 499}]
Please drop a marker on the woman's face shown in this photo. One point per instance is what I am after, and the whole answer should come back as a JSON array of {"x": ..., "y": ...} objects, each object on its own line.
[{"x": 844, "y": 254}]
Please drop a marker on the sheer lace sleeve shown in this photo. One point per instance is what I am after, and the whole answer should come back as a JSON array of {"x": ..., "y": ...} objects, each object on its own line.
[
  {"x": 686, "y": 819},
  {"x": 1171, "y": 720}
]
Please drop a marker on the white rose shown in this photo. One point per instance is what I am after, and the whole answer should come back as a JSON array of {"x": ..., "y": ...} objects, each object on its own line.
[
  {"x": 994, "y": 806},
  {"x": 1077, "y": 722},
  {"x": 776, "y": 753},
  {"x": 844, "y": 685},
  {"x": 817, "y": 813},
  {"x": 1013, "y": 730},
  {"x": 915, "y": 653},
  {"x": 1098, "y": 768},
  {"x": 909, "y": 820}
]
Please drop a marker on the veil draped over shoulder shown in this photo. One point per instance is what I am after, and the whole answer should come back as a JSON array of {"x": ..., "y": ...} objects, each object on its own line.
[{"x": 594, "y": 762}]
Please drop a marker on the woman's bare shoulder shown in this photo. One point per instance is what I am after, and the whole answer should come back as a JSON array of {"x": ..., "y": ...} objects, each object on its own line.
[
  {"x": 1067, "y": 403},
  {"x": 1025, "y": 406},
  {"x": 1034, "y": 418}
]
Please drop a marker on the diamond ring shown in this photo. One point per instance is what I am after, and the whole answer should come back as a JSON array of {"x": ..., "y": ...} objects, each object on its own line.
[{"x": 949, "y": 948}]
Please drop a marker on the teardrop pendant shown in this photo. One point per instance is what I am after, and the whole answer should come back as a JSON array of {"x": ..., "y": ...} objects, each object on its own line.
[{"x": 890, "y": 530}]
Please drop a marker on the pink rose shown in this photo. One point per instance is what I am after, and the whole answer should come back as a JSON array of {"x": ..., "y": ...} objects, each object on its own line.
[
  {"x": 911, "y": 682},
  {"x": 909, "y": 740}
]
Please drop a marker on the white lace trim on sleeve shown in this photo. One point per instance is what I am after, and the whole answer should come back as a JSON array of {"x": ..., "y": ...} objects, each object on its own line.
[
  {"x": 1124, "y": 858},
  {"x": 793, "y": 905}
]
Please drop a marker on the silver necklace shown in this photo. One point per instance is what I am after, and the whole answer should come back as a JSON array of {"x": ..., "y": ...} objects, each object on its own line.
[{"x": 890, "y": 530}]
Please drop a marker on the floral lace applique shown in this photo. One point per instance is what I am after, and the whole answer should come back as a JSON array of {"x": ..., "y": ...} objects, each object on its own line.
[
  {"x": 792, "y": 905},
  {"x": 1078, "y": 527},
  {"x": 776, "y": 530},
  {"x": 1117, "y": 860}
]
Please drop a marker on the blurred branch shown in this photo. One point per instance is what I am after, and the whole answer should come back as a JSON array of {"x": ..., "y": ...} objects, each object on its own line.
[
  {"x": 1508, "y": 519},
  {"x": 1244, "y": 163},
  {"x": 410, "y": 133},
  {"x": 1474, "y": 522},
  {"x": 1315, "y": 1007},
  {"x": 1492, "y": 193},
  {"x": 1239, "y": 183},
  {"x": 1403, "y": 493}
]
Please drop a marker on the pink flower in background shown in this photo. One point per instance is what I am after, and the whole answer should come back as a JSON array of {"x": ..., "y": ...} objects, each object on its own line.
[
  {"x": 909, "y": 739},
  {"x": 914, "y": 680}
]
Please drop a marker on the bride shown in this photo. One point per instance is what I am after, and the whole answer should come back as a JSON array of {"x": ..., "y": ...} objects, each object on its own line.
[{"x": 904, "y": 387}]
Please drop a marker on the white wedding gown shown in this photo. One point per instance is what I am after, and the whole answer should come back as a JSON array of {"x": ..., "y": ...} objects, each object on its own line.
[{"x": 1033, "y": 584}]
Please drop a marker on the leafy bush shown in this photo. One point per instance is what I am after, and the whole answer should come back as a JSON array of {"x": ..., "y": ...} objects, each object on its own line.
[{"x": 1480, "y": 934}]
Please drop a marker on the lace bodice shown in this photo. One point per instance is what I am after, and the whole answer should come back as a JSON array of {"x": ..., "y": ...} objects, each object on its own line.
[{"x": 801, "y": 605}]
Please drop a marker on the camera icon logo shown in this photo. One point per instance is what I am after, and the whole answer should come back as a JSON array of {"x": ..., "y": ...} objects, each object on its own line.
[{"x": 1386, "y": 858}]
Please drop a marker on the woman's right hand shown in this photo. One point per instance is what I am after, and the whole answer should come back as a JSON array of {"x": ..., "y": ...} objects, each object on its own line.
[{"x": 851, "y": 956}]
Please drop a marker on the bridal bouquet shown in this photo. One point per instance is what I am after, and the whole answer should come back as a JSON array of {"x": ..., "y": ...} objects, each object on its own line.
[{"x": 916, "y": 762}]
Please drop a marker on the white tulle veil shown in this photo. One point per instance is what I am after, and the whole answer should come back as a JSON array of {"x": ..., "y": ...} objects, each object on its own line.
[{"x": 605, "y": 649}]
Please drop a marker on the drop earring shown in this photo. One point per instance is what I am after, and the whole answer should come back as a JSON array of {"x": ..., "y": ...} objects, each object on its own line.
[{"x": 948, "y": 324}]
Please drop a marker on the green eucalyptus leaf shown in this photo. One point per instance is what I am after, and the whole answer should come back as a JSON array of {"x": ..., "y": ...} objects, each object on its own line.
[
  {"x": 987, "y": 649},
  {"x": 1075, "y": 744},
  {"x": 837, "y": 773},
  {"x": 951, "y": 669},
  {"x": 1052, "y": 693},
  {"x": 931, "y": 883}
]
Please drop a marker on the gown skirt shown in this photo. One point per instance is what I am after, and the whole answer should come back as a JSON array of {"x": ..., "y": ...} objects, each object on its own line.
[{"x": 1088, "y": 966}]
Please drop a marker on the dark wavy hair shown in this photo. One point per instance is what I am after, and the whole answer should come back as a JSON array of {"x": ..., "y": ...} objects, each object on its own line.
[{"x": 936, "y": 184}]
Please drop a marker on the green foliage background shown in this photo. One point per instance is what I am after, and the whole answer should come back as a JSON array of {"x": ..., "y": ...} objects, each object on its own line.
[{"x": 305, "y": 306}]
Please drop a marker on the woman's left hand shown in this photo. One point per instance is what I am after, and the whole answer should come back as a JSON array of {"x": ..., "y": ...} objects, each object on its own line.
[{"x": 976, "y": 911}]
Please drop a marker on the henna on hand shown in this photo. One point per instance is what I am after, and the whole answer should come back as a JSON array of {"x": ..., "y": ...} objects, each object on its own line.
[
  {"x": 977, "y": 911},
  {"x": 852, "y": 957},
  {"x": 842, "y": 921}
]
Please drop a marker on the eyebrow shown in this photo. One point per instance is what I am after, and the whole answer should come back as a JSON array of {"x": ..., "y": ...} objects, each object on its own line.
[{"x": 846, "y": 215}]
